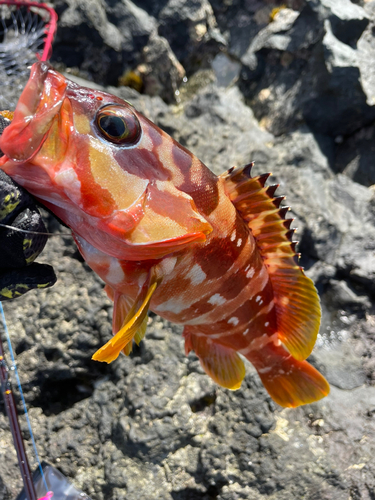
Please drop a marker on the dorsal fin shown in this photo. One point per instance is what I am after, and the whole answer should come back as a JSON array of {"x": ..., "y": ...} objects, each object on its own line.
[{"x": 296, "y": 299}]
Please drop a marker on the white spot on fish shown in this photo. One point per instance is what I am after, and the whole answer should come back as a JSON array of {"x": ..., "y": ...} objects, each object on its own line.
[
  {"x": 233, "y": 236},
  {"x": 233, "y": 321},
  {"x": 267, "y": 324},
  {"x": 239, "y": 242},
  {"x": 258, "y": 298},
  {"x": 196, "y": 275},
  {"x": 284, "y": 301},
  {"x": 172, "y": 305},
  {"x": 250, "y": 273},
  {"x": 115, "y": 274},
  {"x": 217, "y": 300},
  {"x": 167, "y": 265},
  {"x": 259, "y": 342},
  {"x": 69, "y": 181},
  {"x": 245, "y": 332},
  {"x": 265, "y": 370}
]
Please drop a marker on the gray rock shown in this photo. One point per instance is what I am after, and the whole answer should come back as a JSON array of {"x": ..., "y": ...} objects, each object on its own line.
[
  {"x": 330, "y": 111},
  {"x": 231, "y": 134},
  {"x": 108, "y": 37},
  {"x": 226, "y": 70},
  {"x": 190, "y": 28},
  {"x": 354, "y": 157},
  {"x": 348, "y": 20},
  {"x": 304, "y": 67},
  {"x": 160, "y": 70}
]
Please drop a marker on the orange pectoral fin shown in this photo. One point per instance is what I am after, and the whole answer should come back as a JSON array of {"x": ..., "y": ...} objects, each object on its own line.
[
  {"x": 288, "y": 381},
  {"x": 221, "y": 363},
  {"x": 134, "y": 328}
]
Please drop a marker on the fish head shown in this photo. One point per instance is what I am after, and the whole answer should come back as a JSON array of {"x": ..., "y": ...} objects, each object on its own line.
[{"x": 104, "y": 169}]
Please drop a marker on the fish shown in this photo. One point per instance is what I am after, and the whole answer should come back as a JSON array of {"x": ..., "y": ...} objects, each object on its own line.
[{"x": 212, "y": 253}]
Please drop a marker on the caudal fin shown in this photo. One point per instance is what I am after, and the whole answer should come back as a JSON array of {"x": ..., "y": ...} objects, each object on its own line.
[{"x": 288, "y": 381}]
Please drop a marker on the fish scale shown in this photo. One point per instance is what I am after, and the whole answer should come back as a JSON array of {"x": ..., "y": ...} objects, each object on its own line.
[{"x": 213, "y": 253}]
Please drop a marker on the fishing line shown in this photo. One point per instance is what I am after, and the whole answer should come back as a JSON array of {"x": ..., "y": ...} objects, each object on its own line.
[
  {"x": 26, "y": 231},
  {"x": 14, "y": 368}
]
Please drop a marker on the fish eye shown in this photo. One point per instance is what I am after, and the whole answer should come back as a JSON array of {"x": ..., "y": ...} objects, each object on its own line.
[{"x": 118, "y": 124}]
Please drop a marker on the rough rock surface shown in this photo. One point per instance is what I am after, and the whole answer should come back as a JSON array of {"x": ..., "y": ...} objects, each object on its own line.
[{"x": 154, "y": 426}]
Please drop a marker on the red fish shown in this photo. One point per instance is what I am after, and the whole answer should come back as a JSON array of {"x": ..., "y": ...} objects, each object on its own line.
[{"x": 212, "y": 253}]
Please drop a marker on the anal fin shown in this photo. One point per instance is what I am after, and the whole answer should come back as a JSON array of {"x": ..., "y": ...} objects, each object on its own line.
[
  {"x": 288, "y": 381},
  {"x": 221, "y": 363}
]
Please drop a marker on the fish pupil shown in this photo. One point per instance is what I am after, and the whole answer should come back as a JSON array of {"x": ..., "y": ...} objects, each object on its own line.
[{"x": 114, "y": 126}]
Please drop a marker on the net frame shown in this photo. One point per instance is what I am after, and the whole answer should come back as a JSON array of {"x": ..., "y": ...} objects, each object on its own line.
[{"x": 27, "y": 29}]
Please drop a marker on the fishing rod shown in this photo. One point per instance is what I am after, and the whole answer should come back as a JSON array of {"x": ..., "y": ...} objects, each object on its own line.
[
  {"x": 46, "y": 482},
  {"x": 11, "y": 410}
]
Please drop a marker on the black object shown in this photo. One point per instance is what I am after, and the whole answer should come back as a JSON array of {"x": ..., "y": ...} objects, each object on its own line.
[{"x": 19, "y": 249}]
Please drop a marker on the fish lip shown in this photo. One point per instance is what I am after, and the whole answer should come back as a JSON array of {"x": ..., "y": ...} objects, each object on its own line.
[{"x": 37, "y": 106}]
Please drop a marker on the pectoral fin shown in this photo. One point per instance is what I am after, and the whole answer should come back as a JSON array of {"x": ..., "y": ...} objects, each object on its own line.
[{"x": 134, "y": 327}]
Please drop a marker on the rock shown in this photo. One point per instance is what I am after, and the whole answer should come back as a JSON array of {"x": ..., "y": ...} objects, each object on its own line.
[
  {"x": 347, "y": 20},
  {"x": 303, "y": 68},
  {"x": 354, "y": 156},
  {"x": 226, "y": 70},
  {"x": 335, "y": 116},
  {"x": 108, "y": 38},
  {"x": 190, "y": 28},
  {"x": 344, "y": 369},
  {"x": 240, "y": 22},
  {"x": 160, "y": 70}
]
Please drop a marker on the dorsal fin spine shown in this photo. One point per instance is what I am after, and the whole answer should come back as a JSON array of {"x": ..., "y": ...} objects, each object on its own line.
[
  {"x": 283, "y": 211},
  {"x": 287, "y": 223},
  {"x": 247, "y": 169},
  {"x": 262, "y": 178},
  {"x": 270, "y": 190}
]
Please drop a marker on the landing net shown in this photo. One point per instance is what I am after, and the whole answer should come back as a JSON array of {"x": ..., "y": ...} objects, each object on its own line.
[{"x": 26, "y": 35}]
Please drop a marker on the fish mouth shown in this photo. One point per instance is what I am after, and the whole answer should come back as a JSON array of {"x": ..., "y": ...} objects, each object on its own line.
[{"x": 38, "y": 105}]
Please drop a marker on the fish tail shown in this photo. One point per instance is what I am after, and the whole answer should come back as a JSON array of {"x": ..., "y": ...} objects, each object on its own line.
[{"x": 289, "y": 382}]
